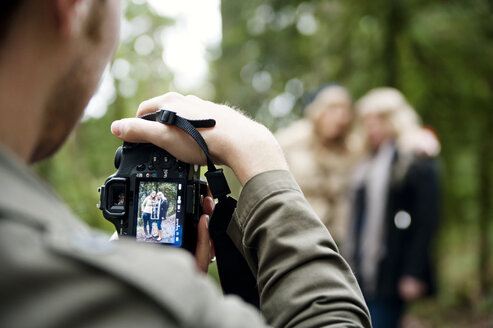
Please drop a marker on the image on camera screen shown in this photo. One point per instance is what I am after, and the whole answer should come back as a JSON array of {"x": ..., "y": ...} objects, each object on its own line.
[{"x": 159, "y": 212}]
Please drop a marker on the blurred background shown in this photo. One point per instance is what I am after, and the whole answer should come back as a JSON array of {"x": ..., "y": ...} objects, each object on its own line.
[{"x": 266, "y": 57}]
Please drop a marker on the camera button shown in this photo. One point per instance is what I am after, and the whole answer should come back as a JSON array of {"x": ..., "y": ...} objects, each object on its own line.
[{"x": 118, "y": 157}]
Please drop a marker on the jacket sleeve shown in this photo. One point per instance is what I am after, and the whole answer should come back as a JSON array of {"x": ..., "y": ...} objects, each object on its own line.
[
  {"x": 164, "y": 209},
  {"x": 303, "y": 280},
  {"x": 425, "y": 179}
]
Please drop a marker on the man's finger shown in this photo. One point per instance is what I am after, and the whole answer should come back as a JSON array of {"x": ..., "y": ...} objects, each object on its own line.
[
  {"x": 170, "y": 138},
  {"x": 139, "y": 130},
  {"x": 156, "y": 103},
  {"x": 202, "y": 256},
  {"x": 208, "y": 205}
]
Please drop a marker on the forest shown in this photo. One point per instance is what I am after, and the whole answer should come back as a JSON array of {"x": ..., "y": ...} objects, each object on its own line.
[{"x": 274, "y": 54}]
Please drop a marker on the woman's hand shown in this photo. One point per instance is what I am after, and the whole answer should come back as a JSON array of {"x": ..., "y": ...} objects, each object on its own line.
[{"x": 411, "y": 288}]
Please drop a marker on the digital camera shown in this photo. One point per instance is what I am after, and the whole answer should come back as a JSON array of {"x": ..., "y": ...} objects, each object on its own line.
[{"x": 153, "y": 197}]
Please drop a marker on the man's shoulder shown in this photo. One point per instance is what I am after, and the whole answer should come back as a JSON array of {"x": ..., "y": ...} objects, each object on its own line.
[
  {"x": 24, "y": 194},
  {"x": 49, "y": 263},
  {"x": 35, "y": 221}
]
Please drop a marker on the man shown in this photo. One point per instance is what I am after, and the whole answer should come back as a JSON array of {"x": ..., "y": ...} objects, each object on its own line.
[{"x": 56, "y": 272}]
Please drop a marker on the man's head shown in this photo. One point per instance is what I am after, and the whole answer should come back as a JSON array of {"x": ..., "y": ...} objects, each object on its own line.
[{"x": 52, "y": 55}]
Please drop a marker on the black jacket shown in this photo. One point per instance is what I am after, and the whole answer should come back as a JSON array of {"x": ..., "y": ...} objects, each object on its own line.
[
  {"x": 160, "y": 209},
  {"x": 408, "y": 249}
]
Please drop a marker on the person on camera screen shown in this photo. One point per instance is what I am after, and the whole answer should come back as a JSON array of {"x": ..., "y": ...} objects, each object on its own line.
[
  {"x": 147, "y": 209},
  {"x": 159, "y": 213}
]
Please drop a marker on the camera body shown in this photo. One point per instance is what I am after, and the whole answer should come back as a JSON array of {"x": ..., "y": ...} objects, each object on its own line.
[{"x": 153, "y": 197}]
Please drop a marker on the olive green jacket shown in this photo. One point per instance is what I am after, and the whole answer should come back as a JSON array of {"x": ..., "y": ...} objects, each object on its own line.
[{"x": 57, "y": 272}]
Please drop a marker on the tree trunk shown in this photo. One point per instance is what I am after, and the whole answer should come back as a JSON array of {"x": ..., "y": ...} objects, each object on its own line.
[
  {"x": 394, "y": 26},
  {"x": 485, "y": 198}
]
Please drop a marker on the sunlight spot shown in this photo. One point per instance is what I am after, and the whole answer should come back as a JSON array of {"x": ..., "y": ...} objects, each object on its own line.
[
  {"x": 262, "y": 81},
  {"x": 144, "y": 45},
  {"x": 282, "y": 105},
  {"x": 307, "y": 24},
  {"x": 120, "y": 69}
]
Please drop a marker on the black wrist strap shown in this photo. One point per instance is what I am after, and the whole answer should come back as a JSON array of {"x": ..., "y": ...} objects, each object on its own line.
[
  {"x": 215, "y": 177},
  {"x": 234, "y": 272}
]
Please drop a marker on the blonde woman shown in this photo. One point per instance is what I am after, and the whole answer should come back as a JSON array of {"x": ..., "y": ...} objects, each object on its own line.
[
  {"x": 146, "y": 207},
  {"x": 321, "y": 150},
  {"x": 395, "y": 205}
]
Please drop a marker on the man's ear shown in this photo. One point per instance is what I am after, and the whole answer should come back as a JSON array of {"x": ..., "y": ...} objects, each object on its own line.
[{"x": 71, "y": 16}]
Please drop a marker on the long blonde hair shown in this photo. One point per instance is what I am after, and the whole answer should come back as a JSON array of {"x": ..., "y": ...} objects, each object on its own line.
[{"x": 392, "y": 106}]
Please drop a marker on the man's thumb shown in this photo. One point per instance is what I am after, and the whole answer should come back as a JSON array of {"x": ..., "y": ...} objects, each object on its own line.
[{"x": 138, "y": 130}]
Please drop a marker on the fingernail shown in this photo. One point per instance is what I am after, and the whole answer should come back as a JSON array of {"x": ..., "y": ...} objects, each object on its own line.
[
  {"x": 115, "y": 128},
  {"x": 207, "y": 221}
]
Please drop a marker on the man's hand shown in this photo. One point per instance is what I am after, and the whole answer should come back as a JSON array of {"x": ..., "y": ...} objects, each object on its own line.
[
  {"x": 246, "y": 146},
  {"x": 204, "y": 252}
]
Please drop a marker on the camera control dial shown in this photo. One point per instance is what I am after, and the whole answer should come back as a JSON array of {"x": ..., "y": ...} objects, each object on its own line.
[{"x": 118, "y": 157}]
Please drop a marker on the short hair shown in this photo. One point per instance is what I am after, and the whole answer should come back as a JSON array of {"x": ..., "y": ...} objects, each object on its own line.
[{"x": 8, "y": 8}]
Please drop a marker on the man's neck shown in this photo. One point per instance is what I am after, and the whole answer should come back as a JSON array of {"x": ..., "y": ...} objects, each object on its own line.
[{"x": 23, "y": 90}]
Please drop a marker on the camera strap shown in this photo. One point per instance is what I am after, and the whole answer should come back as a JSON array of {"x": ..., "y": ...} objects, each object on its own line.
[
  {"x": 234, "y": 272},
  {"x": 215, "y": 177}
]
